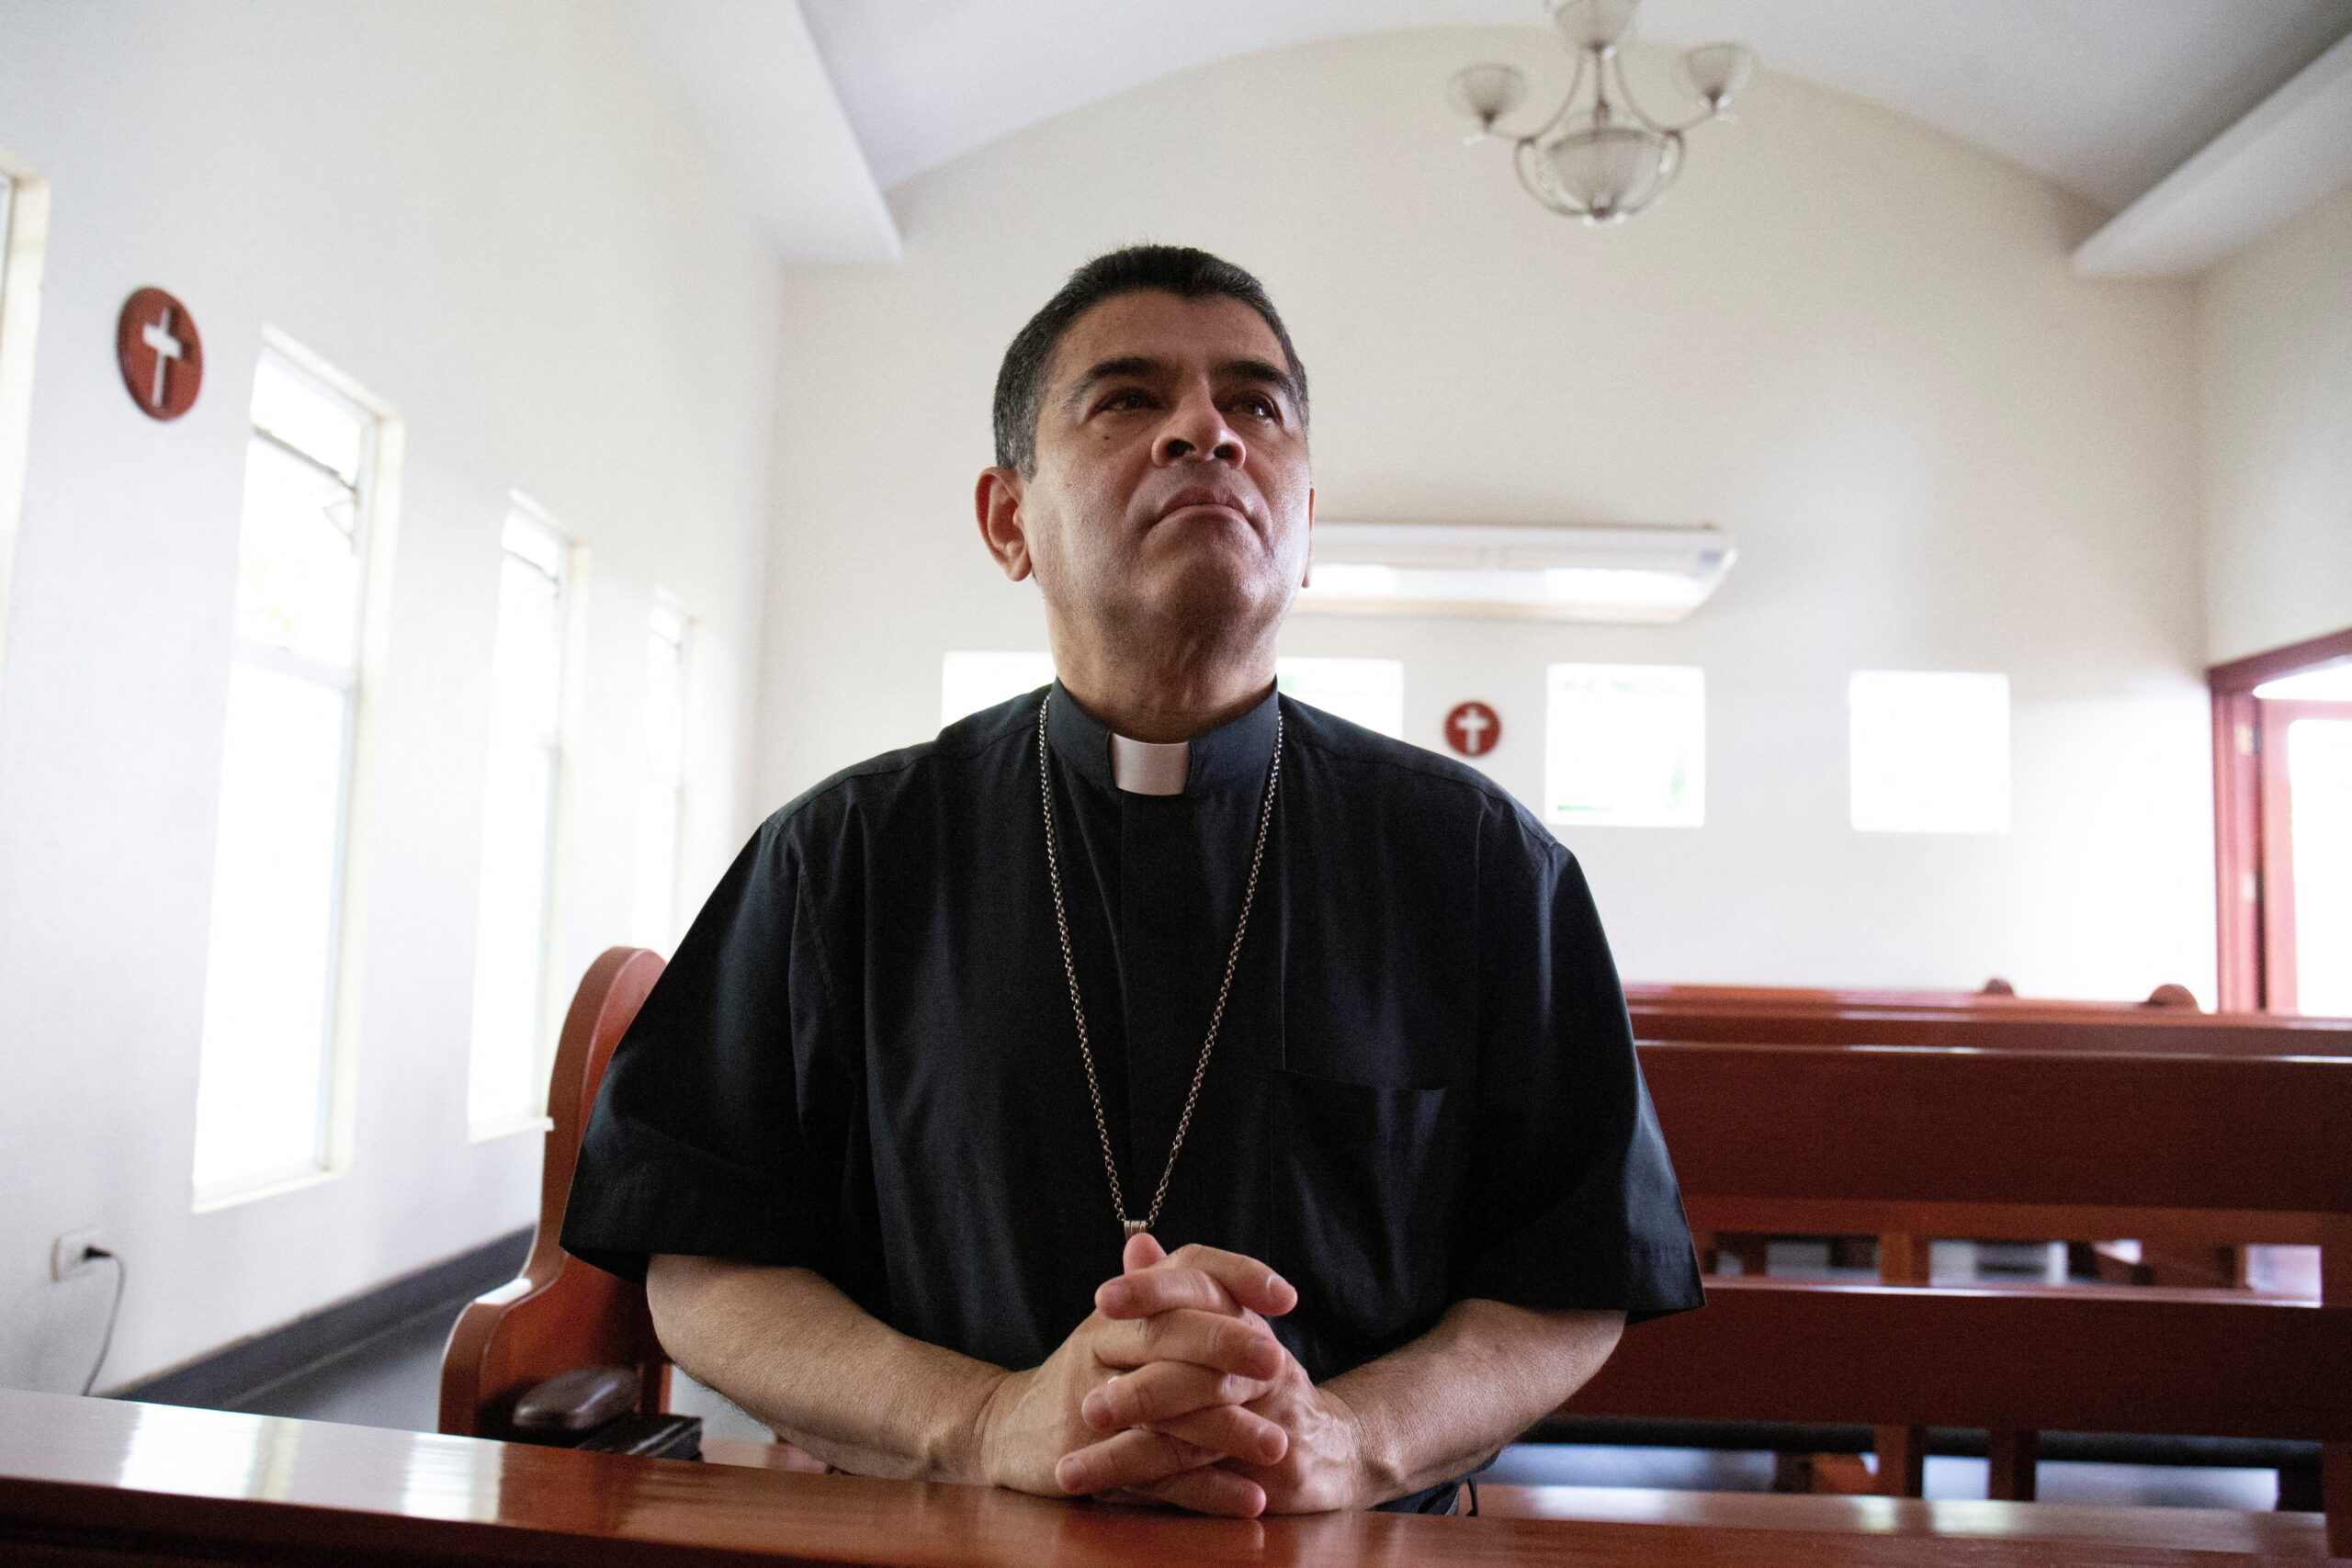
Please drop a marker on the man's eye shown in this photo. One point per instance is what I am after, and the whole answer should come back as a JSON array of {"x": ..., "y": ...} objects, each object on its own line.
[
  {"x": 1262, "y": 407},
  {"x": 1129, "y": 397}
]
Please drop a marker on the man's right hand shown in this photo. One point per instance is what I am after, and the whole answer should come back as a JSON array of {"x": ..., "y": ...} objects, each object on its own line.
[{"x": 1194, "y": 1321}]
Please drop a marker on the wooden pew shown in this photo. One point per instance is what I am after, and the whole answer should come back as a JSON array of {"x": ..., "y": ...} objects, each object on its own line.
[
  {"x": 560, "y": 1314},
  {"x": 103, "y": 1484},
  {"x": 1838, "y": 1140},
  {"x": 1762, "y": 1017}
]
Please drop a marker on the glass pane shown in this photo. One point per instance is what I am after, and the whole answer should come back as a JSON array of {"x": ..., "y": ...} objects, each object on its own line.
[
  {"x": 318, "y": 423},
  {"x": 665, "y": 707},
  {"x": 970, "y": 682},
  {"x": 526, "y": 682},
  {"x": 528, "y": 539},
  {"x": 2319, "y": 785},
  {"x": 1626, "y": 746},
  {"x": 261, "y": 1087},
  {"x": 1370, "y": 691},
  {"x": 510, "y": 941},
  {"x": 657, "y": 865},
  {"x": 297, "y": 563},
  {"x": 1930, "y": 751}
]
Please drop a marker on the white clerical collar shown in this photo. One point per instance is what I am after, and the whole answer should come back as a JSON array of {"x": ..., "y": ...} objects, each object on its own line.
[{"x": 1148, "y": 767}]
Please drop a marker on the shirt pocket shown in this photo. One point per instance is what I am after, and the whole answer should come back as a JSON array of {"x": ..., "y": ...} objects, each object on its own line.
[{"x": 1360, "y": 1179}]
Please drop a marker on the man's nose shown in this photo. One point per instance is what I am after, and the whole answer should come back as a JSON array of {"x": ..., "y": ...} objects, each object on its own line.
[{"x": 1197, "y": 428}]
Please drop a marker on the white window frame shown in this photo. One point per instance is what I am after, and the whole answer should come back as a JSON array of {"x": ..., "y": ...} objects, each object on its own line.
[
  {"x": 24, "y": 239},
  {"x": 377, "y": 495},
  {"x": 553, "y": 991}
]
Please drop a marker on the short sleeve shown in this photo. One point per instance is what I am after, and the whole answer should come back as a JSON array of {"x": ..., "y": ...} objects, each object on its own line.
[
  {"x": 722, "y": 1127},
  {"x": 1570, "y": 1199}
]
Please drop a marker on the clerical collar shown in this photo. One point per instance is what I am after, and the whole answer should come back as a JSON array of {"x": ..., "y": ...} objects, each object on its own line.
[{"x": 1235, "y": 752}]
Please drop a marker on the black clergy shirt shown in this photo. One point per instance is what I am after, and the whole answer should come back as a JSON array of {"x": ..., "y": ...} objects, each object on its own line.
[{"x": 862, "y": 1059}]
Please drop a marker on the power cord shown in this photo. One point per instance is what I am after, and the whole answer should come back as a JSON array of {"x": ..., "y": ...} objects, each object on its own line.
[{"x": 122, "y": 1281}]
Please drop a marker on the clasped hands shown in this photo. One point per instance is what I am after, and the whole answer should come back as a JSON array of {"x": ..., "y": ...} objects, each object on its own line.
[{"x": 1174, "y": 1390}]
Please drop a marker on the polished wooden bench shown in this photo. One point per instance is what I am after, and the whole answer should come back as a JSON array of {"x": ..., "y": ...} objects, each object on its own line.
[
  {"x": 102, "y": 1484},
  {"x": 1865, "y": 1140}
]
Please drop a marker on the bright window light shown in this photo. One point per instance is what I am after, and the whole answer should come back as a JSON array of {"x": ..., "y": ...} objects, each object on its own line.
[
  {"x": 660, "y": 796},
  {"x": 2328, "y": 684},
  {"x": 2319, "y": 786},
  {"x": 511, "y": 957},
  {"x": 1626, "y": 746},
  {"x": 1930, "y": 751},
  {"x": 265, "y": 1073},
  {"x": 970, "y": 682},
  {"x": 1370, "y": 691}
]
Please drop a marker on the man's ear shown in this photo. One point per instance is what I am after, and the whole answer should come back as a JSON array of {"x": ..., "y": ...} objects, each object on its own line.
[
  {"x": 1308, "y": 575},
  {"x": 997, "y": 503}
]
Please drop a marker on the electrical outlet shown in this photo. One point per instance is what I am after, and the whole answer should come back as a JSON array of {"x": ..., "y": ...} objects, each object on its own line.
[{"x": 69, "y": 1254}]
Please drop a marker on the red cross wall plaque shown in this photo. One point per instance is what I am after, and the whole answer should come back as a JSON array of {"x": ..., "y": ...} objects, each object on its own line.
[
  {"x": 1472, "y": 728},
  {"x": 162, "y": 358}
]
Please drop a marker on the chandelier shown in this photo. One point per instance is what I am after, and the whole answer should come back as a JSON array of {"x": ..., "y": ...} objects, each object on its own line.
[{"x": 1607, "y": 160}]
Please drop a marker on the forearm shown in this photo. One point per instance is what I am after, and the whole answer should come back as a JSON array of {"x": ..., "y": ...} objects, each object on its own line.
[
  {"x": 821, "y": 1371},
  {"x": 1446, "y": 1403}
]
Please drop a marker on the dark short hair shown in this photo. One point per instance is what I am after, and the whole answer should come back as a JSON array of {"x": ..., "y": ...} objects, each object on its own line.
[{"x": 1174, "y": 269}]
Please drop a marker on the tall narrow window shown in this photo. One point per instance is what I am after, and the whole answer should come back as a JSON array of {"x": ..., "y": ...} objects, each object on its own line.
[
  {"x": 970, "y": 682},
  {"x": 513, "y": 936},
  {"x": 661, "y": 795},
  {"x": 276, "y": 966},
  {"x": 24, "y": 224},
  {"x": 1626, "y": 746}
]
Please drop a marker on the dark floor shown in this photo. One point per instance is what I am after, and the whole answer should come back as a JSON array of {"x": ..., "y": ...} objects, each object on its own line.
[{"x": 391, "y": 1380}]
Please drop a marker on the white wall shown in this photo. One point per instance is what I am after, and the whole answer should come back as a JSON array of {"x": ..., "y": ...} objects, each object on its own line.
[
  {"x": 1850, "y": 340},
  {"x": 484, "y": 214},
  {"x": 2274, "y": 349}
]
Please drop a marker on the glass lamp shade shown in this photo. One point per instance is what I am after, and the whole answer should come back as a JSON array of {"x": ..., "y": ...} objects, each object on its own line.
[
  {"x": 1600, "y": 25},
  {"x": 1608, "y": 171},
  {"x": 1487, "y": 93},
  {"x": 1717, "y": 71}
]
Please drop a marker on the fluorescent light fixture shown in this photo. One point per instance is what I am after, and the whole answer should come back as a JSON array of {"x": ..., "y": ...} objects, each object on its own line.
[{"x": 1632, "y": 574}]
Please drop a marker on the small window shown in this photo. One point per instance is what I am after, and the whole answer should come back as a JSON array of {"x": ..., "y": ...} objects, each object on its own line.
[
  {"x": 1370, "y": 691},
  {"x": 970, "y": 682},
  {"x": 514, "y": 938},
  {"x": 1626, "y": 746},
  {"x": 661, "y": 795},
  {"x": 277, "y": 962},
  {"x": 1930, "y": 751}
]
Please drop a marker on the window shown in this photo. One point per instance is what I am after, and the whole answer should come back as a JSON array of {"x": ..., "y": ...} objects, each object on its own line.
[
  {"x": 1626, "y": 746},
  {"x": 280, "y": 966},
  {"x": 661, "y": 795},
  {"x": 970, "y": 682},
  {"x": 514, "y": 937},
  {"x": 24, "y": 224},
  {"x": 1930, "y": 751},
  {"x": 1370, "y": 691}
]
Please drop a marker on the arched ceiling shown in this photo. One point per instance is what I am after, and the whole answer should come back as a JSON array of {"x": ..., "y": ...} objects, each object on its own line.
[{"x": 2102, "y": 98}]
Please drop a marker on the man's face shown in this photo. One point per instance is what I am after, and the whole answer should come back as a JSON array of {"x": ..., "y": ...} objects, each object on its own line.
[{"x": 1171, "y": 489}]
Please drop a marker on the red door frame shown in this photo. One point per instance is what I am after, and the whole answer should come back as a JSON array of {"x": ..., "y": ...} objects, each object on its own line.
[{"x": 2249, "y": 956}]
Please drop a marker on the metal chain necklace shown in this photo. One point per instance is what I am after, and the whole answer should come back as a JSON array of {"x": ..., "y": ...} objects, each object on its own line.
[{"x": 1077, "y": 1008}]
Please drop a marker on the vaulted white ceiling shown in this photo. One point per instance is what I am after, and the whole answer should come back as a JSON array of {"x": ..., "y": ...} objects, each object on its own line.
[{"x": 2103, "y": 97}]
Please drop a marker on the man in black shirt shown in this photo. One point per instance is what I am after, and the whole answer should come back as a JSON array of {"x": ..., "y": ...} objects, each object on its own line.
[{"x": 972, "y": 1034}]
